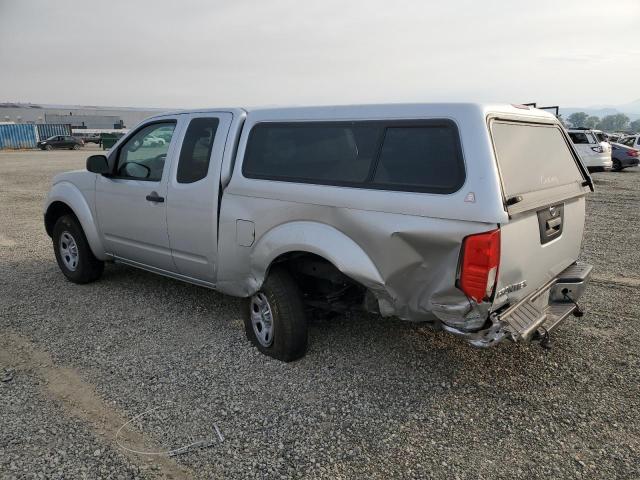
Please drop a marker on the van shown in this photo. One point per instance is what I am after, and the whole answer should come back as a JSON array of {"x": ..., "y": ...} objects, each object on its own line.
[{"x": 467, "y": 217}]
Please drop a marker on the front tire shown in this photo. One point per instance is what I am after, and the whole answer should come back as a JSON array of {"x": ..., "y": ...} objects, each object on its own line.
[
  {"x": 48, "y": 147},
  {"x": 73, "y": 254},
  {"x": 275, "y": 322}
]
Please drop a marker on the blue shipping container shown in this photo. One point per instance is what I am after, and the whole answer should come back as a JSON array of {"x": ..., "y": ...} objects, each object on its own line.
[
  {"x": 18, "y": 136},
  {"x": 46, "y": 130}
]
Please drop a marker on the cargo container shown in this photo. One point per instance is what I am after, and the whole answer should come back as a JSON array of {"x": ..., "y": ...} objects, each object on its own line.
[{"x": 17, "y": 136}]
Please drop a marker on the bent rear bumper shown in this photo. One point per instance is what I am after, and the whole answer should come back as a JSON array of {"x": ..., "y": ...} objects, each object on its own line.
[{"x": 541, "y": 311}]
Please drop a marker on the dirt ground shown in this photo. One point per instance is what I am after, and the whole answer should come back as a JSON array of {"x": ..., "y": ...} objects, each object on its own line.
[{"x": 373, "y": 397}]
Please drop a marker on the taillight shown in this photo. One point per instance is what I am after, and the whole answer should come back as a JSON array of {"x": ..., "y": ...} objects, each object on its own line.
[
  {"x": 480, "y": 261},
  {"x": 633, "y": 153}
]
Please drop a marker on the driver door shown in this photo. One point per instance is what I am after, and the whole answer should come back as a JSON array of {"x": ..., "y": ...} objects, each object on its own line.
[{"x": 131, "y": 202}]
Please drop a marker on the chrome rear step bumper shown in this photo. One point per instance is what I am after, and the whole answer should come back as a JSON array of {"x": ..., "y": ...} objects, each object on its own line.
[{"x": 540, "y": 312}]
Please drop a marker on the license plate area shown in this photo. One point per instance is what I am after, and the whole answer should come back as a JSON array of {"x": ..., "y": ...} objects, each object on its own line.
[{"x": 550, "y": 222}]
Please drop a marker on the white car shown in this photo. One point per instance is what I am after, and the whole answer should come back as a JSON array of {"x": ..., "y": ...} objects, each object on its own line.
[
  {"x": 595, "y": 154},
  {"x": 153, "y": 142},
  {"x": 632, "y": 141}
]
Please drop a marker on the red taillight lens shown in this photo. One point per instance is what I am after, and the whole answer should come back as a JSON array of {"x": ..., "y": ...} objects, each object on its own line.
[
  {"x": 480, "y": 261},
  {"x": 633, "y": 153}
]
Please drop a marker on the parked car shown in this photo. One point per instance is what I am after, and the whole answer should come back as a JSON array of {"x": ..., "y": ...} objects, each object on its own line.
[
  {"x": 153, "y": 142},
  {"x": 443, "y": 213},
  {"x": 595, "y": 154},
  {"x": 614, "y": 137},
  {"x": 632, "y": 141},
  {"x": 88, "y": 137},
  {"x": 60, "y": 141},
  {"x": 623, "y": 156}
]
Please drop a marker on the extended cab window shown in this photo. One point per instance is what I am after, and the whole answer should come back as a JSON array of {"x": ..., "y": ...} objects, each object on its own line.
[
  {"x": 533, "y": 157},
  {"x": 196, "y": 150},
  {"x": 142, "y": 157},
  {"x": 423, "y": 156}
]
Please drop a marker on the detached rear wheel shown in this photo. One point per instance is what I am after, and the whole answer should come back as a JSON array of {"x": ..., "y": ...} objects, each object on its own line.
[
  {"x": 73, "y": 254},
  {"x": 276, "y": 322}
]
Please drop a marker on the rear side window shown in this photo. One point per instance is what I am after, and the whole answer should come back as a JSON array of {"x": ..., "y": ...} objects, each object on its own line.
[
  {"x": 196, "y": 150},
  {"x": 533, "y": 157},
  {"x": 423, "y": 156},
  {"x": 581, "y": 137}
]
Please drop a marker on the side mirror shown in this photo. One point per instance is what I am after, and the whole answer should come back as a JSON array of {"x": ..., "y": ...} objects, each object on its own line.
[
  {"x": 98, "y": 164},
  {"x": 135, "y": 170}
]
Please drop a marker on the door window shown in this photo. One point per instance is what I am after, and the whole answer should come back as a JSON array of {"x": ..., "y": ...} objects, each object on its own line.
[
  {"x": 143, "y": 156},
  {"x": 196, "y": 150}
]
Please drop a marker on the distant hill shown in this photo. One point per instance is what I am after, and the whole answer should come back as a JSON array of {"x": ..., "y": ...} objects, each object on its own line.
[{"x": 631, "y": 110}]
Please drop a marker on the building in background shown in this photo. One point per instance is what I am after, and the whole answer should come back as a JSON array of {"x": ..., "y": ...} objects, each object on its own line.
[{"x": 77, "y": 116}]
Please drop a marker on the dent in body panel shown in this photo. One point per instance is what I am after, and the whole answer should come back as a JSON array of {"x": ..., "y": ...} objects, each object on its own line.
[{"x": 408, "y": 262}]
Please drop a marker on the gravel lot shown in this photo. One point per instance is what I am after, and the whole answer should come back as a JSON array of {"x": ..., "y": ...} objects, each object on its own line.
[{"x": 372, "y": 398}]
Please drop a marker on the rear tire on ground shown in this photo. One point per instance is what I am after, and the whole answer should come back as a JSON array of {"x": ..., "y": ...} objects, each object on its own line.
[
  {"x": 275, "y": 321},
  {"x": 73, "y": 254}
]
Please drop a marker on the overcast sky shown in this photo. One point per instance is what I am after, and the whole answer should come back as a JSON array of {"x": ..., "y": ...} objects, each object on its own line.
[{"x": 255, "y": 52}]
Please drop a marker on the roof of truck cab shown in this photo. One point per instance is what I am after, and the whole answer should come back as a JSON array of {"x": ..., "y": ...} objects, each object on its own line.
[{"x": 390, "y": 110}]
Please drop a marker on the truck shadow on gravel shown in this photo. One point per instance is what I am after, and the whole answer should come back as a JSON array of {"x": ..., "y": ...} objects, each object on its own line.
[
  {"x": 354, "y": 341},
  {"x": 139, "y": 302}
]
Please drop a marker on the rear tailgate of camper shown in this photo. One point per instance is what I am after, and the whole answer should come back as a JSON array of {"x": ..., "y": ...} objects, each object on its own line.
[{"x": 544, "y": 189}]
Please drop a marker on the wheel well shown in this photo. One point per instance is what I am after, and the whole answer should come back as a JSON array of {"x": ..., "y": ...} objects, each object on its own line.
[
  {"x": 54, "y": 212},
  {"x": 322, "y": 284}
]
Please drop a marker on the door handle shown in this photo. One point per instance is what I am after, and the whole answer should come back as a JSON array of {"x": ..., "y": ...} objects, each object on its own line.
[{"x": 154, "y": 197}]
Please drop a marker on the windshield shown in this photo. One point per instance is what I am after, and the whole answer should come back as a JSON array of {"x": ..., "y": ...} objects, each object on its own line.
[{"x": 533, "y": 157}]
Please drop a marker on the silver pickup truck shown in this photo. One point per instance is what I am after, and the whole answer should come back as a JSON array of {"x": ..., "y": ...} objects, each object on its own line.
[{"x": 469, "y": 217}]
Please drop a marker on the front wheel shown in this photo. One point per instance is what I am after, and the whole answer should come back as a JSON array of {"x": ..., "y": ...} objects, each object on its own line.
[
  {"x": 49, "y": 147},
  {"x": 76, "y": 147},
  {"x": 276, "y": 322},
  {"x": 73, "y": 254},
  {"x": 617, "y": 166}
]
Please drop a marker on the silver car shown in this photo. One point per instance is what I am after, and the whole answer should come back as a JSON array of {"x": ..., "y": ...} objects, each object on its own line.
[{"x": 468, "y": 217}]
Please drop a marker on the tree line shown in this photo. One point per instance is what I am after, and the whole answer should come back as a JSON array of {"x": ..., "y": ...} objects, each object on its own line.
[{"x": 610, "y": 123}]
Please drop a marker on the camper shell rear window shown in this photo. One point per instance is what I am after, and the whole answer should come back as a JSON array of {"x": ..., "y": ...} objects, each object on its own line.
[
  {"x": 414, "y": 155},
  {"x": 533, "y": 157}
]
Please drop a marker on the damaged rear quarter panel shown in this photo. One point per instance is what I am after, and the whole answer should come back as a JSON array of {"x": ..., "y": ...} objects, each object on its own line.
[
  {"x": 408, "y": 262},
  {"x": 403, "y": 246}
]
